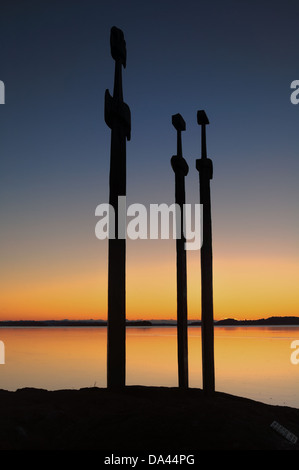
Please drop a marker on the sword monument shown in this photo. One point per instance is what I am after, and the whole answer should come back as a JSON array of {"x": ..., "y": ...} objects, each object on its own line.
[
  {"x": 204, "y": 166},
  {"x": 180, "y": 168},
  {"x": 118, "y": 118}
]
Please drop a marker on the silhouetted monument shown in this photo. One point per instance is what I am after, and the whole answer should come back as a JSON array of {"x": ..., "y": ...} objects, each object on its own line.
[
  {"x": 118, "y": 118},
  {"x": 204, "y": 166},
  {"x": 180, "y": 168}
]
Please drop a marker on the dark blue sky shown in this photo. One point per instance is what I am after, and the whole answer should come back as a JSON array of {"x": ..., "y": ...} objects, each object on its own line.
[{"x": 235, "y": 59}]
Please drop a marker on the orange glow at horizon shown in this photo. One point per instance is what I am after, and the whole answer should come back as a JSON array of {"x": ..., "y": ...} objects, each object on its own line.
[{"x": 244, "y": 287}]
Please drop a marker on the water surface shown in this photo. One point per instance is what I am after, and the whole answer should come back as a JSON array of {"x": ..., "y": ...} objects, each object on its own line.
[{"x": 253, "y": 362}]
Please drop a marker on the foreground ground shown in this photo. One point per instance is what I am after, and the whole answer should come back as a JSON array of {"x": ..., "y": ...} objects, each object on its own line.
[{"x": 140, "y": 419}]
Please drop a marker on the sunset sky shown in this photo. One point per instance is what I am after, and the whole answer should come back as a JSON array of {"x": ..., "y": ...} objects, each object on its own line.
[{"x": 235, "y": 59}]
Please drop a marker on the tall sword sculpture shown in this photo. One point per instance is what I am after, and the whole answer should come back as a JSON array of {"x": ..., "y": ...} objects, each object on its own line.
[
  {"x": 180, "y": 168},
  {"x": 205, "y": 168},
  {"x": 118, "y": 118}
]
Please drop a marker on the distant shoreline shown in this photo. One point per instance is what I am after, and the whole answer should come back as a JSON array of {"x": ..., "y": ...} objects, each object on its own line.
[{"x": 271, "y": 321}]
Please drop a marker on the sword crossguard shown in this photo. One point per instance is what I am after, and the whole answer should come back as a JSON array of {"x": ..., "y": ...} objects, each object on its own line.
[
  {"x": 179, "y": 165},
  {"x": 205, "y": 166},
  {"x": 117, "y": 110}
]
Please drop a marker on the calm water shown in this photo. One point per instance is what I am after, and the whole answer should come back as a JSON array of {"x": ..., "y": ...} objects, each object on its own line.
[{"x": 253, "y": 362}]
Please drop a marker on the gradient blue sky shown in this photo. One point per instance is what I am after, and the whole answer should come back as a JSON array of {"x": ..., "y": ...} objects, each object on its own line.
[{"x": 235, "y": 59}]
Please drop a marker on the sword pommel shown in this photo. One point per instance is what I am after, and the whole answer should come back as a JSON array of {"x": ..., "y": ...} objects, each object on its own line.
[
  {"x": 178, "y": 122},
  {"x": 118, "y": 45},
  {"x": 202, "y": 118}
]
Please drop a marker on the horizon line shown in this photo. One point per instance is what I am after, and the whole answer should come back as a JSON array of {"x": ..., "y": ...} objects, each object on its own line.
[{"x": 170, "y": 320}]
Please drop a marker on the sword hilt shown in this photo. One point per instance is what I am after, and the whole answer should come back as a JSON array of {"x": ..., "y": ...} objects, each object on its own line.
[
  {"x": 202, "y": 120},
  {"x": 180, "y": 125},
  {"x": 178, "y": 163}
]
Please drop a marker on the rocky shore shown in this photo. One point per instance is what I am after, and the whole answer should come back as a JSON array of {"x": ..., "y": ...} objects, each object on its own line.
[{"x": 141, "y": 419}]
